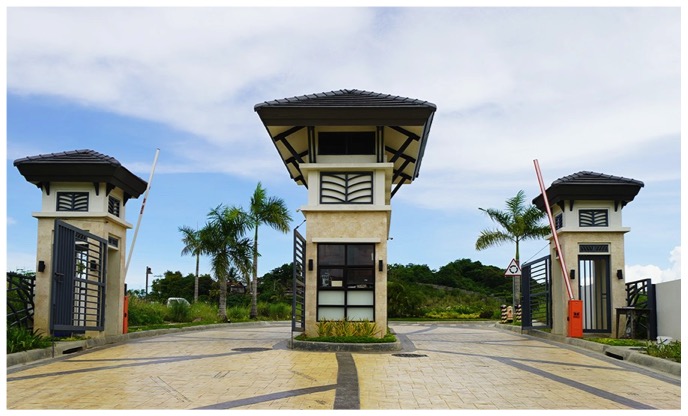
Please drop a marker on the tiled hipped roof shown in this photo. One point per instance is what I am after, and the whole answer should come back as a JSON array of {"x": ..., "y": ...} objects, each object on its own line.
[
  {"x": 80, "y": 166},
  {"x": 594, "y": 178},
  {"x": 346, "y": 98},
  {"x": 73, "y": 156},
  {"x": 586, "y": 185}
]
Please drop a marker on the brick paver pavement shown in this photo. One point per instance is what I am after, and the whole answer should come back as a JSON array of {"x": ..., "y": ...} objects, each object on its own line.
[{"x": 443, "y": 366}]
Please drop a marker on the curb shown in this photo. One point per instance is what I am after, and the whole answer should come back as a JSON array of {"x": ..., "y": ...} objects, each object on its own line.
[
  {"x": 628, "y": 354},
  {"x": 344, "y": 347},
  {"x": 63, "y": 348}
]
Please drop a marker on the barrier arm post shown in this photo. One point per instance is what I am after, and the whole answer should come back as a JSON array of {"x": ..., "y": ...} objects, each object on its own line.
[{"x": 575, "y": 307}]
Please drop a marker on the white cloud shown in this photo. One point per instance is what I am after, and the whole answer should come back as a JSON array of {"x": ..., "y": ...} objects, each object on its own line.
[
  {"x": 562, "y": 85},
  {"x": 11, "y": 221},
  {"x": 657, "y": 274}
]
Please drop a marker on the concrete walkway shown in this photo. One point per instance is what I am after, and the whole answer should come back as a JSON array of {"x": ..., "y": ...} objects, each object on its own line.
[{"x": 441, "y": 366}]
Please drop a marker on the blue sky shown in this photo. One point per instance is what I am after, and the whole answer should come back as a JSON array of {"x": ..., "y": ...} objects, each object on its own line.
[{"x": 578, "y": 89}]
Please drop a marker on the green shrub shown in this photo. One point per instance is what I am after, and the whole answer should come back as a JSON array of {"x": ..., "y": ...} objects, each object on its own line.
[
  {"x": 178, "y": 312},
  {"x": 22, "y": 339},
  {"x": 347, "y": 329},
  {"x": 279, "y": 311},
  {"x": 451, "y": 315},
  {"x": 486, "y": 314},
  {"x": 238, "y": 313},
  {"x": 204, "y": 311},
  {"x": 263, "y": 309},
  {"x": 143, "y": 312}
]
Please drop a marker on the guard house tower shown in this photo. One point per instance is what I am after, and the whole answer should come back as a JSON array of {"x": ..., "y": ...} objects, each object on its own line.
[
  {"x": 587, "y": 210},
  {"x": 353, "y": 150},
  {"x": 81, "y": 240}
]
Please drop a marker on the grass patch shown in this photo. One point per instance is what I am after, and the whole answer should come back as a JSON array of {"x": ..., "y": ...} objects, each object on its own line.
[
  {"x": 618, "y": 342},
  {"x": 669, "y": 351}
]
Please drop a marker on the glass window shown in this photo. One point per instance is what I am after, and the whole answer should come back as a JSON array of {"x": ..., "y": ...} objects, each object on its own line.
[
  {"x": 360, "y": 255},
  {"x": 331, "y": 254},
  {"x": 346, "y": 143},
  {"x": 360, "y": 278},
  {"x": 331, "y": 277},
  {"x": 346, "y": 281}
]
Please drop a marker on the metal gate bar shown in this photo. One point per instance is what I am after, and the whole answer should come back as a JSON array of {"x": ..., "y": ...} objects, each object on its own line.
[
  {"x": 535, "y": 288},
  {"x": 78, "y": 287},
  {"x": 298, "y": 308}
]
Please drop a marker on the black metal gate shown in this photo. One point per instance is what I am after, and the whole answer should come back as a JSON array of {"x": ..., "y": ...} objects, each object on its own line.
[
  {"x": 78, "y": 286},
  {"x": 536, "y": 286},
  {"x": 298, "y": 307}
]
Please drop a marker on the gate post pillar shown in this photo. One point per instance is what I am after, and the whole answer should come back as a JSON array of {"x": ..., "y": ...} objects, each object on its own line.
[
  {"x": 89, "y": 191},
  {"x": 587, "y": 215}
]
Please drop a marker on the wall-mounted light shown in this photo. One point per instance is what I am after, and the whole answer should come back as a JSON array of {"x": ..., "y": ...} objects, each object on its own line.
[
  {"x": 41, "y": 266},
  {"x": 379, "y": 265},
  {"x": 310, "y": 265},
  {"x": 572, "y": 274},
  {"x": 619, "y": 274}
]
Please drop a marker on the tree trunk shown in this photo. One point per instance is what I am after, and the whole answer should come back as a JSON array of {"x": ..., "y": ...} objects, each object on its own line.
[
  {"x": 254, "y": 283},
  {"x": 198, "y": 258},
  {"x": 222, "y": 310}
]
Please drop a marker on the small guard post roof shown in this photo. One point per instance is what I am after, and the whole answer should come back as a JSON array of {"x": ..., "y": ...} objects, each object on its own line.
[
  {"x": 593, "y": 186},
  {"x": 405, "y": 121},
  {"x": 80, "y": 166}
]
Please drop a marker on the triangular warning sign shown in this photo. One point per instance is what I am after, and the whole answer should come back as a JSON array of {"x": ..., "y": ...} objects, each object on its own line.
[{"x": 513, "y": 269}]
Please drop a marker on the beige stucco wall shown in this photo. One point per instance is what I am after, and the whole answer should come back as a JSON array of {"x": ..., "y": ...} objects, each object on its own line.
[
  {"x": 569, "y": 242},
  {"x": 347, "y": 227},
  {"x": 99, "y": 223}
]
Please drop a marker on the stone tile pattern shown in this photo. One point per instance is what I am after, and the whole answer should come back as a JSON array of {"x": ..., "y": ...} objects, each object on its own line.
[{"x": 461, "y": 367}]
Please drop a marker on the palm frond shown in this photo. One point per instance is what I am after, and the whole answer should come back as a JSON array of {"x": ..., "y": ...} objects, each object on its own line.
[{"x": 489, "y": 238}]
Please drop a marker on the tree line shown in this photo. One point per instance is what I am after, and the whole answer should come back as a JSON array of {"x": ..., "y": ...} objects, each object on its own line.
[
  {"x": 232, "y": 253},
  {"x": 412, "y": 290}
]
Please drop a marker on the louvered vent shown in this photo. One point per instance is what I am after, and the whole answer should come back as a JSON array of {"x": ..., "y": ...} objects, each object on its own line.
[
  {"x": 113, "y": 206},
  {"x": 72, "y": 201},
  {"x": 559, "y": 221},
  {"x": 593, "y": 218},
  {"x": 346, "y": 188},
  {"x": 593, "y": 248}
]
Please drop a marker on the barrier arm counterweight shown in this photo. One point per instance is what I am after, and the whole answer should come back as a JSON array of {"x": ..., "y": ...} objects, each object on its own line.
[{"x": 575, "y": 310}]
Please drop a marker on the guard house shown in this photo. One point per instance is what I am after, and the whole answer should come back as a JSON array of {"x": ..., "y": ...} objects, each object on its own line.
[
  {"x": 353, "y": 150},
  {"x": 81, "y": 240},
  {"x": 587, "y": 208}
]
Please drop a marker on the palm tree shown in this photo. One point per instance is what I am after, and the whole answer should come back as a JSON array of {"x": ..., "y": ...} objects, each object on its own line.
[
  {"x": 517, "y": 223},
  {"x": 222, "y": 238},
  {"x": 270, "y": 211},
  {"x": 192, "y": 245}
]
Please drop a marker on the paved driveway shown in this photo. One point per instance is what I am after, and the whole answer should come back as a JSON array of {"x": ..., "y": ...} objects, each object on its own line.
[{"x": 442, "y": 366}]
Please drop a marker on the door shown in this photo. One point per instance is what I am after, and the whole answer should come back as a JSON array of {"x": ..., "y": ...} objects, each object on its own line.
[{"x": 593, "y": 290}]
